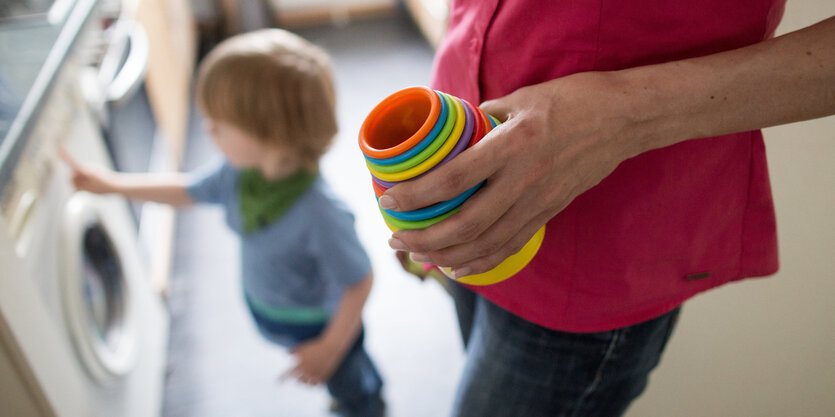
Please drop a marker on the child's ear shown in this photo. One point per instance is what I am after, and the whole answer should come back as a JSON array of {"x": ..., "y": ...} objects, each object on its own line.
[{"x": 209, "y": 126}]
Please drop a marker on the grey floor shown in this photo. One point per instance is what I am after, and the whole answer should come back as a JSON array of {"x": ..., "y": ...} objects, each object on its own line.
[{"x": 218, "y": 365}]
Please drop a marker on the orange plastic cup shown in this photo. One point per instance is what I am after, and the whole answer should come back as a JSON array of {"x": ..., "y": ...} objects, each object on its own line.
[
  {"x": 486, "y": 119},
  {"x": 378, "y": 189},
  {"x": 478, "y": 130},
  {"x": 399, "y": 122}
]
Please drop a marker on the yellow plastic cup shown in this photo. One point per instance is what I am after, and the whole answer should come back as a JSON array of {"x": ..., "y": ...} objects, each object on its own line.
[
  {"x": 401, "y": 121},
  {"x": 509, "y": 267}
]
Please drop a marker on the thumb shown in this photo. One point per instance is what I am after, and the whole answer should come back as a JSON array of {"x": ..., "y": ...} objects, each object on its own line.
[{"x": 499, "y": 108}]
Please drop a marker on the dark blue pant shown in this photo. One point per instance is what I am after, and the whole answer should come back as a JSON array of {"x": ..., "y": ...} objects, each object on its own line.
[
  {"x": 355, "y": 384},
  {"x": 517, "y": 368}
]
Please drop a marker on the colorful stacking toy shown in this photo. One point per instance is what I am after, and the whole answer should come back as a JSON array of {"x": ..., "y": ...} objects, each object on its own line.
[{"x": 414, "y": 131}]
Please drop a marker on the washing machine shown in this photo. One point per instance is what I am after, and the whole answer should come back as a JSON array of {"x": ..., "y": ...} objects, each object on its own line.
[{"x": 82, "y": 333}]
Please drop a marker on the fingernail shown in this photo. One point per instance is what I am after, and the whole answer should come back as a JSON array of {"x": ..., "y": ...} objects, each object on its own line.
[
  {"x": 397, "y": 244},
  {"x": 388, "y": 203},
  {"x": 420, "y": 257},
  {"x": 461, "y": 272}
]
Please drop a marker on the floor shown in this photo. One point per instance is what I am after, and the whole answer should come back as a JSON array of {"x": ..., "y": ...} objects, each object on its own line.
[{"x": 219, "y": 366}]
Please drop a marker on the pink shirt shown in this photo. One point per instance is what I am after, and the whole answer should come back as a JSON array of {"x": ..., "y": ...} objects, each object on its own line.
[{"x": 664, "y": 225}]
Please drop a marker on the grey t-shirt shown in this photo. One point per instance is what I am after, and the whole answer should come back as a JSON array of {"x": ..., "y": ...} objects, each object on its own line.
[{"x": 296, "y": 268}]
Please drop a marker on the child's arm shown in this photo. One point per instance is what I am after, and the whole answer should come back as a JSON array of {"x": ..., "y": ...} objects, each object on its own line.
[
  {"x": 319, "y": 357},
  {"x": 166, "y": 188}
]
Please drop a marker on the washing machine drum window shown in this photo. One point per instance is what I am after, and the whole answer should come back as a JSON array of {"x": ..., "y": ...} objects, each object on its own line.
[
  {"x": 96, "y": 289},
  {"x": 103, "y": 283}
]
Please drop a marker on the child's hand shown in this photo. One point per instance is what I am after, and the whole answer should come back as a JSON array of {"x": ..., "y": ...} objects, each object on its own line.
[
  {"x": 316, "y": 361},
  {"x": 84, "y": 178}
]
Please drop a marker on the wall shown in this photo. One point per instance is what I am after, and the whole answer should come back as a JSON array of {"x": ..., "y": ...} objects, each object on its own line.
[
  {"x": 302, "y": 4},
  {"x": 765, "y": 347},
  {"x": 300, "y": 13},
  {"x": 172, "y": 42}
]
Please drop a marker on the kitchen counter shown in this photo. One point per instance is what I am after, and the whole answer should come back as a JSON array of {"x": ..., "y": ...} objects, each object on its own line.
[{"x": 32, "y": 51}]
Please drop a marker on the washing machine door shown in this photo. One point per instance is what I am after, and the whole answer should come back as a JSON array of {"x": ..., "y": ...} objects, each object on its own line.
[{"x": 96, "y": 289}]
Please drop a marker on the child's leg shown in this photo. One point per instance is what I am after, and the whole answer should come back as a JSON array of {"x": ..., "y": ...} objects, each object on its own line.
[{"x": 356, "y": 384}]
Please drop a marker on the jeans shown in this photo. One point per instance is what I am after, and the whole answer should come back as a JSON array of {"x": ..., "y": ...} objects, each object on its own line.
[
  {"x": 356, "y": 384},
  {"x": 465, "y": 301},
  {"x": 517, "y": 368}
]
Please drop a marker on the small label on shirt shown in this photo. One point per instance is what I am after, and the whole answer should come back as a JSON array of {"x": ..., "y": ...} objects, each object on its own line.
[{"x": 694, "y": 277}]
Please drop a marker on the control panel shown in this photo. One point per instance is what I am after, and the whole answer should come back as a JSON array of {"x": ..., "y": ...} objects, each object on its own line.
[{"x": 39, "y": 158}]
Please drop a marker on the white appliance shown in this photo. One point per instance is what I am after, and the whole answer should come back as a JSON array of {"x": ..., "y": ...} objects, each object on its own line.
[{"x": 81, "y": 331}]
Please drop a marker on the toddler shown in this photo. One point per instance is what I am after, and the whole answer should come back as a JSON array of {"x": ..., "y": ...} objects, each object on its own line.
[{"x": 269, "y": 102}]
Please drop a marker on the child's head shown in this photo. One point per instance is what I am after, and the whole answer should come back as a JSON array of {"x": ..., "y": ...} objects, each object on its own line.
[{"x": 268, "y": 90}]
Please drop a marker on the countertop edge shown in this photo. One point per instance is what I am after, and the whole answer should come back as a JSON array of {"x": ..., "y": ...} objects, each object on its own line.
[{"x": 20, "y": 129}]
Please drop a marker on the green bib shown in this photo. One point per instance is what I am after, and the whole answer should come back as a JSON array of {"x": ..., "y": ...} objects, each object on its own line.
[{"x": 263, "y": 201}]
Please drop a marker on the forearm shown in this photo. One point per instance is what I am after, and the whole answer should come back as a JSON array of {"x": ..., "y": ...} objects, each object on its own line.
[
  {"x": 166, "y": 188},
  {"x": 782, "y": 80},
  {"x": 345, "y": 324},
  {"x": 562, "y": 137}
]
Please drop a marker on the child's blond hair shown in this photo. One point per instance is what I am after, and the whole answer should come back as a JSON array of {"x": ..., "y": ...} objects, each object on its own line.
[{"x": 275, "y": 86}]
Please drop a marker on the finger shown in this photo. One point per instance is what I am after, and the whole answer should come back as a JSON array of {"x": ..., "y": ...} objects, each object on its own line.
[
  {"x": 501, "y": 108},
  {"x": 288, "y": 374},
  {"x": 68, "y": 159},
  {"x": 476, "y": 215},
  {"x": 497, "y": 108},
  {"x": 306, "y": 379},
  {"x": 492, "y": 240},
  {"x": 444, "y": 183},
  {"x": 511, "y": 247}
]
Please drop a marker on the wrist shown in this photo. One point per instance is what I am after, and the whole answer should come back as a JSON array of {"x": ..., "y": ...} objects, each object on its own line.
[
  {"x": 651, "y": 114},
  {"x": 113, "y": 182},
  {"x": 336, "y": 342}
]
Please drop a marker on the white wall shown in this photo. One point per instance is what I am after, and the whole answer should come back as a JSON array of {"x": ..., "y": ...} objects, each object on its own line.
[
  {"x": 323, "y": 4},
  {"x": 766, "y": 348}
]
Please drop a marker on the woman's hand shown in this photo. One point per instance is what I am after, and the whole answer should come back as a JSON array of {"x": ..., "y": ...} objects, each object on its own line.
[
  {"x": 558, "y": 139},
  {"x": 316, "y": 361},
  {"x": 563, "y": 136}
]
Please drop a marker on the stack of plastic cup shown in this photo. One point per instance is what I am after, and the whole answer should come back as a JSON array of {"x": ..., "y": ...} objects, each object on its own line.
[{"x": 414, "y": 131}]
